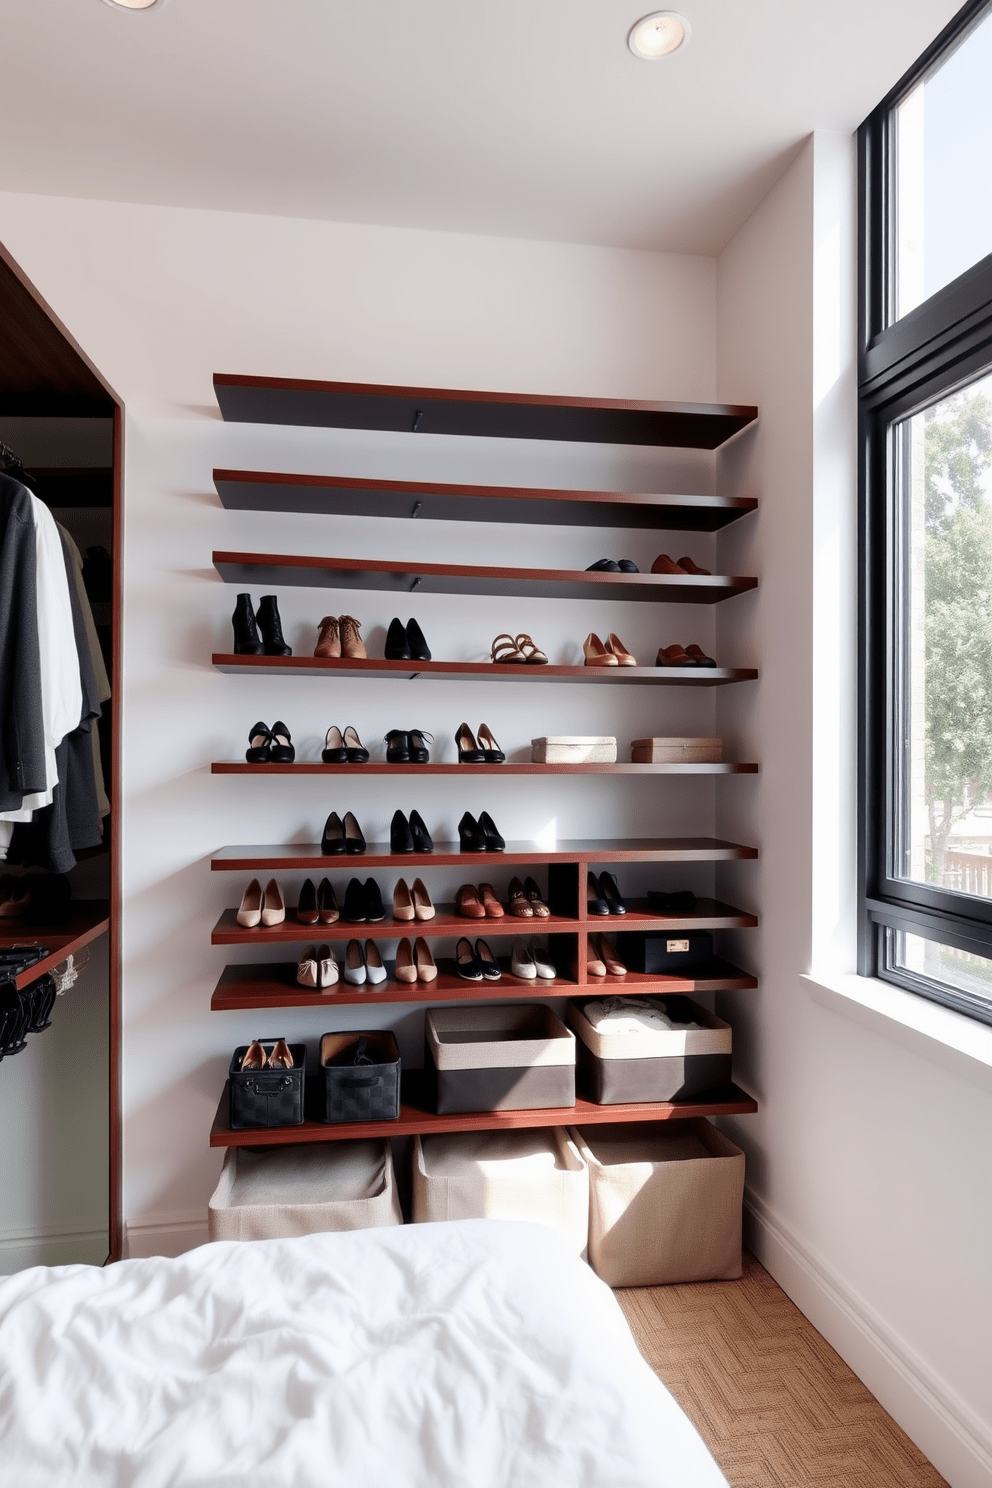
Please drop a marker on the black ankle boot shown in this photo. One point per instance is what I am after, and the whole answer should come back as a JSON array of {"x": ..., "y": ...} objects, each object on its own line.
[
  {"x": 270, "y": 625},
  {"x": 247, "y": 641}
]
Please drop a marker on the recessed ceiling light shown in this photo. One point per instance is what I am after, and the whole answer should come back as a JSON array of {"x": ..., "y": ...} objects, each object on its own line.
[
  {"x": 134, "y": 4},
  {"x": 658, "y": 35}
]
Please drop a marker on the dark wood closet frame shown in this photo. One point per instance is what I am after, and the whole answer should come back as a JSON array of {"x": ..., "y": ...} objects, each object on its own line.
[{"x": 47, "y": 373}]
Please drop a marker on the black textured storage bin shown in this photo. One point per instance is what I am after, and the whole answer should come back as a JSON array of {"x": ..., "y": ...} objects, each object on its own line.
[
  {"x": 672, "y": 1065},
  {"x": 364, "y": 1091},
  {"x": 266, "y": 1097},
  {"x": 670, "y": 953},
  {"x": 519, "y": 1057}
]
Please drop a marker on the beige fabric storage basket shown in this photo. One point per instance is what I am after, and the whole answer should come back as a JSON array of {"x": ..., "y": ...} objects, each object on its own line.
[
  {"x": 498, "y": 1036},
  {"x": 270, "y": 1193},
  {"x": 676, "y": 751},
  {"x": 574, "y": 749},
  {"x": 664, "y": 1202},
  {"x": 525, "y": 1175}
]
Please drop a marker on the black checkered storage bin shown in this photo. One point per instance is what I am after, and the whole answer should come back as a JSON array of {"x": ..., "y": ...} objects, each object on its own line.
[
  {"x": 361, "y": 1076},
  {"x": 267, "y": 1097}
]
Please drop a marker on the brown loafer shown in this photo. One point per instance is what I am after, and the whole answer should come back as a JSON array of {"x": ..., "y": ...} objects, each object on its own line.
[
  {"x": 517, "y": 901},
  {"x": 698, "y": 656},
  {"x": 689, "y": 565},
  {"x": 468, "y": 904},
  {"x": 673, "y": 656},
  {"x": 490, "y": 904},
  {"x": 665, "y": 565}
]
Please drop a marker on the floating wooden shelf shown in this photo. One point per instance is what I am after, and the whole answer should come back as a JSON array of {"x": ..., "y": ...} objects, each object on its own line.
[
  {"x": 481, "y": 671},
  {"x": 511, "y": 767},
  {"x": 254, "y": 569},
  {"x": 87, "y": 919},
  {"x": 414, "y": 1117},
  {"x": 283, "y": 857},
  {"x": 338, "y": 495},
  {"x": 362, "y": 405}
]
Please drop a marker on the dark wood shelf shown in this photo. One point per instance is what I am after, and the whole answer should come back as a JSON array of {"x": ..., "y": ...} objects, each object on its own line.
[
  {"x": 482, "y": 671},
  {"x": 283, "y": 857},
  {"x": 729, "y": 1100},
  {"x": 363, "y": 405},
  {"x": 511, "y": 767},
  {"x": 338, "y": 495},
  {"x": 452, "y": 578},
  {"x": 87, "y": 919}
]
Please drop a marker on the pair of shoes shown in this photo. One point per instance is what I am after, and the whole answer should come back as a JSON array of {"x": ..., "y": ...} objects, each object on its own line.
[
  {"x": 601, "y": 959},
  {"x": 485, "y": 751},
  {"x": 317, "y": 905},
  {"x": 409, "y": 836},
  {"x": 413, "y": 903},
  {"x": 519, "y": 650},
  {"x": 278, "y": 1057},
  {"x": 407, "y": 747},
  {"x": 682, "y": 901},
  {"x": 363, "y": 903},
  {"x": 610, "y": 565},
  {"x": 258, "y": 630},
  {"x": 479, "y": 836},
  {"x": 531, "y": 961},
  {"x": 342, "y": 836},
  {"x": 603, "y": 896},
  {"x": 261, "y": 909},
  {"x": 343, "y": 748},
  {"x": 476, "y": 963},
  {"x": 614, "y": 653},
  {"x": 481, "y": 905},
  {"x": 414, "y": 963},
  {"x": 363, "y": 964},
  {"x": 406, "y": 642},
  {"x": 524, "y": 900},
  {"x": 340, "y": 636},
  {"x": 317, "y": 967},
  {"x": 270, "y": 746},
  {"x": 687, "y": 656},
  {"x": 665, "y": 565}
]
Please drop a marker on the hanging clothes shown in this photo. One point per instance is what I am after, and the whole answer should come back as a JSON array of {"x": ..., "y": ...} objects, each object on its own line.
[{"x": 22, "y": 725}]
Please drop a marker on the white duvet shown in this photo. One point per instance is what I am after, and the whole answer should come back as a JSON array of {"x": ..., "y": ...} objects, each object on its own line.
[{"x": 461, "y": 1355}]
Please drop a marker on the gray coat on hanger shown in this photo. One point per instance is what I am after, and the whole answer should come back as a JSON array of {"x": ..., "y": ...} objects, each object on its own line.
[{"x": 22, "y": 727}]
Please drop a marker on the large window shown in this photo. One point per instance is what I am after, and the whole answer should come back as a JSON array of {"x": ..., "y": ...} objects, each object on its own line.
[{"x": 926, "y": 410}]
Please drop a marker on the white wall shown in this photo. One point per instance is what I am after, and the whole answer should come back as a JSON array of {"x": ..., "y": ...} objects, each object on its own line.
[
  {"x": 869, "y": 1159},
  {"x": 161, "y": 300}
]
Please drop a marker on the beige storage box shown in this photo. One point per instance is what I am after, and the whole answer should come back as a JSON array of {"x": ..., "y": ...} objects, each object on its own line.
[
  {"x": 665, "y": 1202},
  {"x": 511, "y": 1057},
  {"x": 574, "y": 749},
  {"x": 525, "y": 1175},
  {"x": 682, "y": 751},
  {"x": 270, "y": 1193},
  {"x": 655, "y": 1064}
]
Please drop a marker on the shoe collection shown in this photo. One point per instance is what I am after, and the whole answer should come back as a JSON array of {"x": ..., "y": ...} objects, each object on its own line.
[
  {"x": 258, "y": 631},
  {"x": 665, "y": 565},
  {"x": 524, "y": 901},
  {"x": 257, "y": 1057},
  {"x": 603, "y": 895}
]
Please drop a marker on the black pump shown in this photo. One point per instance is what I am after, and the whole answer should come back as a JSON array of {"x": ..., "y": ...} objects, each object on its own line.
[
  {"x": 494, "y": 842},
  {"x": 423, "y": 842},
  {"x": 270, "y": 625},
  {"x": 471, "y": 837},
  {"x": 418, "y": 649},
  {"x": 397, "y": 647},
  {"x": 400, "y": 836},
  {"x": 247, "y": 641}
]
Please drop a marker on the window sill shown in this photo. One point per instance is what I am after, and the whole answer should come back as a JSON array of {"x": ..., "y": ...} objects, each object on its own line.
[{"x": 937, "y": 1032}]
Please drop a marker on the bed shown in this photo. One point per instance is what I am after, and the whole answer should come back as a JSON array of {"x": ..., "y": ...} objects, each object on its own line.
[{"x": 467, "y": 1354}]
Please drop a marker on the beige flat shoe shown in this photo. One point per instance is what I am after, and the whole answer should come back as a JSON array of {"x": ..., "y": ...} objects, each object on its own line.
[
  {"x": 426, "y": 967},
  {"x": 328, "y": 638},
  {"x": 405, "y": 970},
  {"x": 616, "y": 645},
  {"x": 352, "y": 645},
  {"x": 250, "y": 912},
  {"x": 403, "y": 907},
  {"x": 596, "y": 653},
  {"x": 422, "y": 906},
  {"x": 273, "y": 904}
]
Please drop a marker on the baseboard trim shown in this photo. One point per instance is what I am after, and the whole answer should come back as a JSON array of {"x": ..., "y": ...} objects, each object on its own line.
[
  {"x": 24, "y": 1247},
  {"x": 944, "y": 1427},
  {"x": 168, "y": 1235}
]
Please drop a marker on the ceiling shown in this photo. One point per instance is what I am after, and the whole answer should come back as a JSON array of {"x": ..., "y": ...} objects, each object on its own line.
[{"x": 520, "y": 118}]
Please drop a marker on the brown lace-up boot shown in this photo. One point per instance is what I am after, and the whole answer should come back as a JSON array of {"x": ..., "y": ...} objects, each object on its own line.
[
  {"x": 329, "y": 639},
  {"x": 352, "y": 645}
]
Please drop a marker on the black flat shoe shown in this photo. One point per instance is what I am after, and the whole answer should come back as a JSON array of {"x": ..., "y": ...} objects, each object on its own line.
[
  {"x": 419, "y": 753},
  {"x": 334, "y": 751},
  {"x": 281, "y": 750},
  {"x": 627, "y": 565},
  {"x": 604, "y": 565},
  {"x": 270, "y": 626},
  {"x": 610, "y": 891},
  {"x": 467, "y": 963},
  {"x": 333, "y": 839},
  {"x": 423, "y": 842},
  {"x": 259, "y": 739},
  {"x": 374, "y": 908},
  {"x": 469, "y": 752},
  {"x": 494, "y": 842},
  {"x": 355, "y": 749},
  {"x": 354, "y": 841},
  {"x": 397, "y": 743},
  {"x": 400, "y": 836},
  {"x": 418, "y": 649},
  {"x": 247, "y": 641},
  {"x": 355, "y": 903},
  {"x": 488, "y": 962},
  {"x": 490, "y": 749},
  {"x": 595, "y": 903},
  {"x": 471, "y": 837},
  {"x": 397, "y": 647}
]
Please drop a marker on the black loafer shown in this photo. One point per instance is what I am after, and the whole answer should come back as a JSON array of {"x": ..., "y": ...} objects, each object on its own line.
[
  {"x": 397, "y": 743},
  {"x": 400, "y": 836},
  {"x": 354, "y": 910},
  {"x": 494, "y": 842},
  {"x": 258, "y": 753},
  {"x": 604, "y": 565},
  {"x": 397, "y": 647},
  {"x": 471, "y": 837},
  {"x": 423, "y": 842},
  {"x": 610, "y": 891},
  {"x": 627, "y": 565},
  {"x": 595, "y": 903},
  {"x": 333, "y": 839},
  {"x": 374, "y": 908},
  {"x": 417, "y": 647},
  {"x": 467, "y": 962}
]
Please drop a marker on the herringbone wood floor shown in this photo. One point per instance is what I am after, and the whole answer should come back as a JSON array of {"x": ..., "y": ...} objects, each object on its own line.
[{"x": 776, "y": 1406}]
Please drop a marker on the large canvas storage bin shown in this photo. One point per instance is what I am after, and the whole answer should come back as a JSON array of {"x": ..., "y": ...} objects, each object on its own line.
[
  {"x": 517, "y": 1057},
  {"x": 524, "y": 1175},
  {"x": 665, "y": 1202},
  {"x": 360, "y": 1092},
  {"x": 269, "y": 1193},
  {"x": 266, "y": 1097},
  {"x": 661, "y": 1064}
]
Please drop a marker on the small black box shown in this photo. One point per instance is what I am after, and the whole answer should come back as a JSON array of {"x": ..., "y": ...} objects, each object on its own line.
[
  {"x": 670, "y": 953},
  {"x": 266, "y": 1097},
  {"x": 360, "y": 1092}
]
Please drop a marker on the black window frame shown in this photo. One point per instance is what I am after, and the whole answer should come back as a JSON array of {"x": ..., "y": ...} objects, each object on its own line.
[{"x": 903, "y": 365}]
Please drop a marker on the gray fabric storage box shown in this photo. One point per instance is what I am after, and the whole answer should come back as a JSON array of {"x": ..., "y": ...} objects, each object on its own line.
[
  {"x": 523, "y": 1175},
  {"x": 515, "y": 1057},
  {"x": 665, "y": 1202},
  {"x": 662, "y": 1065},
  {"x": 270, "y": 1193},
  {"x": 360, "y": 1092}
]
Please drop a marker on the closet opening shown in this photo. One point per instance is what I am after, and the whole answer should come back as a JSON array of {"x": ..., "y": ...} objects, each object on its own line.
[{"x": 61, "y": 449}]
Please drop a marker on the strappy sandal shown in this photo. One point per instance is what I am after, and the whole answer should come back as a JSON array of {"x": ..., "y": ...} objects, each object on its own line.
[
  {"x": 531, "y": 652},
  {"x": 505, "y": 649}
]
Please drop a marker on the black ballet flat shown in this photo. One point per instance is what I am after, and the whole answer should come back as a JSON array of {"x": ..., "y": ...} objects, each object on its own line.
[
  {"x": 604, "y": 565},
  {"x": 471, "y": 837},
  {"x": 467, "y": 962},
  {"x": 494, "y": 842},
  {"x": 423, "y": 842},
  {"x": 334, "y": 751},
  {"x": 487, "y": 961},
  {"x": 355, "y": 749},
  {"x": 417, "y": 647},
  {"x": 397, "y": 647},
  {"x": 281, "y": 750},
  {"x": 332, "y": 842},
  {"x": 400, "y": 836},
  {"x": 259, "y": 740}
]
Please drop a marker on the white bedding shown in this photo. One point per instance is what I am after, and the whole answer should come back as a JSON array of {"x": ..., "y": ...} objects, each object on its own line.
[{"x": 469, "y": 1354}]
